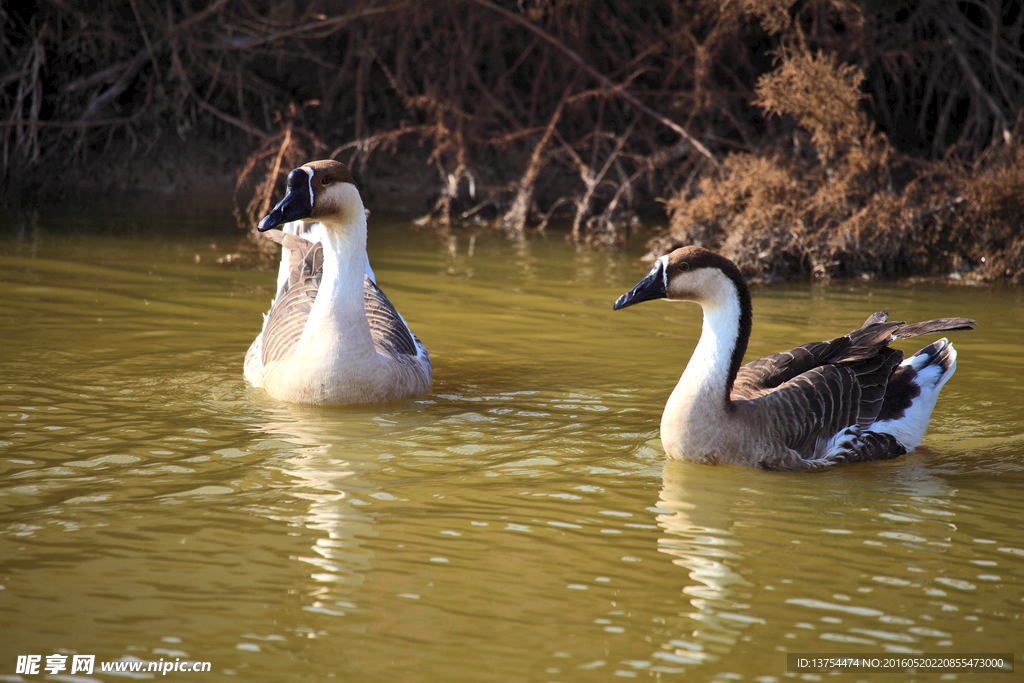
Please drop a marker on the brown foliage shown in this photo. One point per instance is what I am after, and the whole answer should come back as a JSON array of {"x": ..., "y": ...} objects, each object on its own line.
[
  {"x": 531, "y": 109},
  {"x": 829, "y": 204},
  {"x": 987, "y": 224},
  {"x": 822, "y": 206},
  {"x": 822, "y": 95}
]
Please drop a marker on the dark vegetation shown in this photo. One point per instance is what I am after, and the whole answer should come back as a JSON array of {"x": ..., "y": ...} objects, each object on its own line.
[{"x": 824, "y": 137}]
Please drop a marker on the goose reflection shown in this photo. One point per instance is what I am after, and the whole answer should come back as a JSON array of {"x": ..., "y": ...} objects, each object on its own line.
[
  {"x": 696, "y": 518},
  {"x": 795, "y": 552},
  {"x": 328, "y": 480}
]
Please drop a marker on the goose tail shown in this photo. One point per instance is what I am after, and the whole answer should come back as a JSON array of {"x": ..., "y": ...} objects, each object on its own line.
[{"x": 912, "y": 391}]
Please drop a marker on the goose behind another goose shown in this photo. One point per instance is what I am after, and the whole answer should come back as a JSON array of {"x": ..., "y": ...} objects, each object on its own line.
[
  {"x": 849, "y": 399},
  {"x": 331, "y": 336}
]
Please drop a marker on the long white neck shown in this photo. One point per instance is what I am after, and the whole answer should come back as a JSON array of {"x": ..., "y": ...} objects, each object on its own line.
[
  {"x": 337, "y": 327},
  {"x": 345, "y": 262},
  {"x": 701, "y": 396},
  {"x": 314, "y": 232},
  {"x": 707, "y": 373}
]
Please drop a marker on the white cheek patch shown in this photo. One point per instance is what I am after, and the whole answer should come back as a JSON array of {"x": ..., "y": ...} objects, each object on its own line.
[
  {"x": 309, "y": 172},
  {"x": 664, "y": 271}
]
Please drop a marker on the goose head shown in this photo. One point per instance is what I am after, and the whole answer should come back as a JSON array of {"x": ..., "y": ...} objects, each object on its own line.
[
  {"x": 320, "y": 191},
  {"x": 703, "y": 277},
  {"x": 689, "y": 274}
]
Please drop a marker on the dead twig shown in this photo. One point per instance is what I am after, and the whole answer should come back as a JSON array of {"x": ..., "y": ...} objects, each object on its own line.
[
  {"x": 515, "y": 218},
  {"x": 601, "y": 78}
]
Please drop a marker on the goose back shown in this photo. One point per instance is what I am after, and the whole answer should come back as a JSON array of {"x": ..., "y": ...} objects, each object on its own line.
[
  {"x": 393, "y": 341},
  {"x": 806, "y": 395},
  {"x": 847, "y": 399}
]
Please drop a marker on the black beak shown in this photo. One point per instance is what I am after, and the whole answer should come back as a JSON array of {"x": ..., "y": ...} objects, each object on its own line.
[
  {"x": 651, "y": 287},
  {"x": 296, "y": 205}
]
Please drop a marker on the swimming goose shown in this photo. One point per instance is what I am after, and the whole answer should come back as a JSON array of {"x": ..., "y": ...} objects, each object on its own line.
[
  {"x": 848, "y": 399},
  {"x": 332, "y": 336}
]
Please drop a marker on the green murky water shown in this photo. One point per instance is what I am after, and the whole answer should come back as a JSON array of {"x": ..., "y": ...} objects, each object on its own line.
[{"x": 519, "y": 523}]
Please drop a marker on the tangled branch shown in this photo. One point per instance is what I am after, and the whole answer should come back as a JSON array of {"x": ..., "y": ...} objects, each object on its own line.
[{"x": 524, "y": 110}]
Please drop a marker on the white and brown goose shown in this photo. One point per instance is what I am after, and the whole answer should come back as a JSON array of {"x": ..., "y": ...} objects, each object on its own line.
[
  {"x": 332, "y": 336},
  {"x": 848, "y": 399}
]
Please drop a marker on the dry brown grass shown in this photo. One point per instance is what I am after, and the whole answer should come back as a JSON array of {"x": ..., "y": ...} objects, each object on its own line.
[
  {"x": 824, "y": 205},
  {"x": 531, "y": 110},
  {"x": 986, "y": 225},
  {"x": 839, "y": 200}
]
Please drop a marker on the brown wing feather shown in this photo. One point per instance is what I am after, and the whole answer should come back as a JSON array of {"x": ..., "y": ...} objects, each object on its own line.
[
  {"x": 934, "y": 327},
  {"x": 291, "y": 309},
  {"x": 820, "y": 401},
  {"x": 305, "y": 257},
  {"x": 764, "y": 374},
  {"x": 391, "y": 336},
  {"x": 822, "y": 388},
  {"x": 288, "y": 316},
  {"x": 861, "y": 348}
]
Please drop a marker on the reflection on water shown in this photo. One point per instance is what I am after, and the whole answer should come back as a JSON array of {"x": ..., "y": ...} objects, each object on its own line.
[
  {"x": 331, "y": 491},
  {"x": 518, "y": 523},
  {"x": 700, "y": 539},
  {"x": 881, "y": 561}
]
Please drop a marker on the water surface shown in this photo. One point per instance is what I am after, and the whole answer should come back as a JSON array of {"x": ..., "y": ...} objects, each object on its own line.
[{"x": 518, "y": 523}]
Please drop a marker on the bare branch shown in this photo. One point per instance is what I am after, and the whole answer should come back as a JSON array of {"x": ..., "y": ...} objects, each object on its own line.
[{"x": 604, "y": 80}]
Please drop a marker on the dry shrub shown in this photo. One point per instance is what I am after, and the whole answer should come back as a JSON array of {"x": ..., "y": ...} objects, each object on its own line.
[
  {"x": 829, "y": 204},
  {"x": 749, "y": 213},
  {"x": 528, "y": 110},
  {"x": 986, "y": 225},
  {"x": 822, "y": 207},
  {"x": 532, "y": 110},
  {"x": 823, "y": 96},
  {"x": 265, "y": 170}
]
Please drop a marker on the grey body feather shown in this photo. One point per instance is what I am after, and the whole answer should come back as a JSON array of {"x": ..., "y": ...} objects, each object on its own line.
[{"x": 287, "y": 317}]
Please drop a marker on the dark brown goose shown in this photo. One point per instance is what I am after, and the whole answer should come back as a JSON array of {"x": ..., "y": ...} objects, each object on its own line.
[
  {"x": 849, "y": 399},
  {"x": 332, "y": 336}
]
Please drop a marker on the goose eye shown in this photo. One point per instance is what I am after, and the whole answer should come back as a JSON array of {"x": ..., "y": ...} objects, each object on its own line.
[
  {"x": 326, "y": 180},
  {"x": 684, "y": 266}
]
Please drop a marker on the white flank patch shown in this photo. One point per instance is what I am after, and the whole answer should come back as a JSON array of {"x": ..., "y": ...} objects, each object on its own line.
[
  {"x": 909, "y": 430},
  {"x": 839, "y": 445}
]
